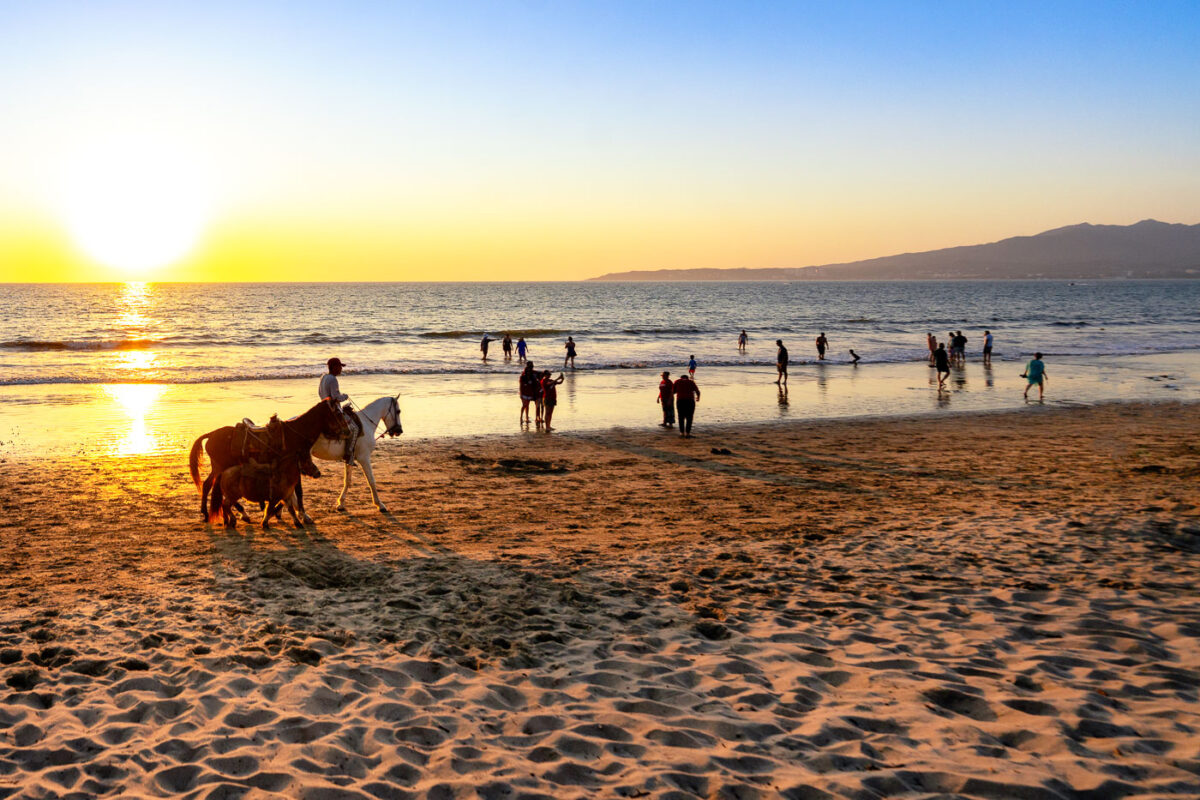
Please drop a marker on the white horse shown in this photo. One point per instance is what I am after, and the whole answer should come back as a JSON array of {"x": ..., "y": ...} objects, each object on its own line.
[{"x": 385, "y": 410}]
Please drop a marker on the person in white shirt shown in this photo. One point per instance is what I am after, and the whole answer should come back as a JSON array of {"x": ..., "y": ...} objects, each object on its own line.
[{"x": 332, "y": 393}]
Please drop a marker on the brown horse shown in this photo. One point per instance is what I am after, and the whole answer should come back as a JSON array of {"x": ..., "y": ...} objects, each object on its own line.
[
  {"x": 237, "y": 444},
  {"x": 270, "y": 484}
]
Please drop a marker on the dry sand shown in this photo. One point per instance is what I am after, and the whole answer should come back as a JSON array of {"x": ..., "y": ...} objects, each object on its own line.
[{"x": 985, "y": 606}]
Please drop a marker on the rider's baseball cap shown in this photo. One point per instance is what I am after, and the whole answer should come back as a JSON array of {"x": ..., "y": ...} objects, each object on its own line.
[{"x": 335, "y": 362}]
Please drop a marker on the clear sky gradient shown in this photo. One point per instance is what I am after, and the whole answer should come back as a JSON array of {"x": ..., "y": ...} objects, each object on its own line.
[{"x": 561, "y": 140}]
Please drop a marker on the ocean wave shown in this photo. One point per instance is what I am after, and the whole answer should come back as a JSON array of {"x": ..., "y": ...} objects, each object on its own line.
[
  {"x": 667, "y": 331},
  {"x": 516, "y": 334},
  {"x": 118, "y": 344}
]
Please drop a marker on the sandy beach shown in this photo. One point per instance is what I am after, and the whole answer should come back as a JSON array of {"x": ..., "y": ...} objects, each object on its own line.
[{"x": 996, "y": 605}]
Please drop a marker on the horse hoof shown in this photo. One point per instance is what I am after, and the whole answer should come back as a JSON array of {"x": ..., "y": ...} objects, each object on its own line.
[
  {"x": 309, "y": 520},
  {"x": 340, "y": 508}
]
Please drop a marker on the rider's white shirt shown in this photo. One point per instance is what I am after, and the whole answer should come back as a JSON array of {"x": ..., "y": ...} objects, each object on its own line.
[{"x": 329, "y": 389}]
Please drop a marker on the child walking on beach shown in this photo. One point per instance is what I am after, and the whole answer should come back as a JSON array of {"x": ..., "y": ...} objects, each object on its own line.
[
  {"x": 1035, "y": 372},
  {"x": 692, "y": 366}
]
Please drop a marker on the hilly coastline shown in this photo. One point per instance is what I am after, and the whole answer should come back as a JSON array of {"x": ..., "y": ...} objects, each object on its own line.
[{"x": 1147, "y": 249}]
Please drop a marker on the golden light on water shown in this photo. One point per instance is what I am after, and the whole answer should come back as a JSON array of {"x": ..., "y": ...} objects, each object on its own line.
[
  {"x": 133, "y": 302},
  {"x": 135, "y": 401}
]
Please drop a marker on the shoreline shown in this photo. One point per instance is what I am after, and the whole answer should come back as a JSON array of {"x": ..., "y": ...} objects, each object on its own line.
[{"x": 133, "y": 419}]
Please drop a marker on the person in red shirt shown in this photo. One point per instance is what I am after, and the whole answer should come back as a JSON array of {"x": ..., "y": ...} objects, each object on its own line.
[
  {"x": 550, "y": 396},
  {"x": 687, "y": 393},
  {"x": 666, "y": 397}
]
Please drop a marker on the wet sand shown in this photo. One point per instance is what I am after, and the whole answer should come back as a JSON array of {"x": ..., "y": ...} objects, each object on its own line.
[
  {"x": 976, "y": 605},
  {"x": 143, "y": 418}
]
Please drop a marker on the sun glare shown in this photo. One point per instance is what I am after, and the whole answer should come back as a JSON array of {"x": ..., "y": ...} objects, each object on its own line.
[{"x": 134, "y": 205}]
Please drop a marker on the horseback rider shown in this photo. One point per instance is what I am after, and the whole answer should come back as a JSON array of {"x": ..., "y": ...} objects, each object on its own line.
[{"x": 331, "y": 393}]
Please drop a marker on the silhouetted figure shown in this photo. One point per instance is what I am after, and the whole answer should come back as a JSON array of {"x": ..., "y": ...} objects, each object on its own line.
[
  {"x": 854, "y": 357},
  {"x": 742, "y": 337},
  {"x": 822, "y": 343},
  {"x": 987, "y": 348},
  {"x": 531, "y": 390},
  {"x": 781, "y": 362},
  {"x": 521, "y": 348},
  {"x": 687, "y": 394},
  {"x": 570, "y": 345},
  {"x": 666, "y": 398},
  {"x": 549, "y": 388},
  {"x": 941, "y": 360},
  {"x": 483, "y": 345},
  {"x": 506, "y": 345},
  {"x": 931, "y": 340}
]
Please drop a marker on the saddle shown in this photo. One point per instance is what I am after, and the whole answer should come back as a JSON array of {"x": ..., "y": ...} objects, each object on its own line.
[{"x": 252, "y": 440}]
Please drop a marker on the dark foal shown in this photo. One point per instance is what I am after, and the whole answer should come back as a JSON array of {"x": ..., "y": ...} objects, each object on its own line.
[{"x": 271, "y": 484}]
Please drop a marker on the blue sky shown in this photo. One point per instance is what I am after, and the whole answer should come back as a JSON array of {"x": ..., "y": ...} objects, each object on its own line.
[{"x": 650, "y": 133}]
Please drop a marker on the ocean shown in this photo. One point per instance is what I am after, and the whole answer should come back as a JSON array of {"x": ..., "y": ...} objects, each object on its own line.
[
  {"x": 128, "y": 369},
  {"x": 195, "y": 333}
]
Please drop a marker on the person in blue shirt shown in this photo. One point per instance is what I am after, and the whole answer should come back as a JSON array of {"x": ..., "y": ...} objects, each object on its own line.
[
  {"x": 692, "y": 366},
  {"x": 1035, "y": 372},
  {"x": 521, "y": 348}
]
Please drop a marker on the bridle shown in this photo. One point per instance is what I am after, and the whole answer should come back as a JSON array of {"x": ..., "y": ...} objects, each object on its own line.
[{"x": 395, "y": 429}]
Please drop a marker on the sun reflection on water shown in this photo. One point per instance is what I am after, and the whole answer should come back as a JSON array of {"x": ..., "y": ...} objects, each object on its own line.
[
  {"x": 133, "y": 303},
  {"x": 135, "y": 401}
]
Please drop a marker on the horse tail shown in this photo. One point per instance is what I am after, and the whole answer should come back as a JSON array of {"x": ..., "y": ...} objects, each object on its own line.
[
  {"x": 194, "y": 460},
  {"x": 215, "y": 502}
]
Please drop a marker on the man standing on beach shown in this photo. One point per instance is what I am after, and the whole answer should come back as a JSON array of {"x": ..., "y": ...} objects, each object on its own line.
[
  {"x": 687, "y": 394},
  {"x": 330, "y": 392},
  {"x": 742, "y": 342},
  {"x": 931, "y": 340},
  {"x": 521, "y": 348},
  {"x": 822, "y": 343},
  {"x": 506, "y": 344},
  {"x": 781, "y": 361},
  {"x": 1035, "y": 372},
  {"x": 987, "y": 348}
]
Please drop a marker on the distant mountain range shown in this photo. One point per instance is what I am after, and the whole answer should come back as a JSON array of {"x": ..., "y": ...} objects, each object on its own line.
[{"x": 1148, "y": 249}]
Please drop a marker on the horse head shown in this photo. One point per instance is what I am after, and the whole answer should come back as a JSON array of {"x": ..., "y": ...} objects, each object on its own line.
[
  {"x": 307, "y": 467},
  {"x": 391, "y": 417}
]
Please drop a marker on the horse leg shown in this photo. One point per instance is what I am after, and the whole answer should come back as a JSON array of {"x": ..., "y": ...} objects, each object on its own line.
[
  {"x": 242, "y": 511},
  {"x": 291, "y": 507},
  {"x": 365, "y": 463},
  {"x": 341, "y": 503},
  {"x": 208, "y": 484},
  {"x": 227, "y": 512},
  {"x": 267, "y": 514},
  {"x": 300, "y": 504}
]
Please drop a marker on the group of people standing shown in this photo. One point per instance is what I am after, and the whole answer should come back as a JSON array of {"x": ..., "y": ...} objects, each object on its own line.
[
  {"x": 506, "y": 344},
  {"x": 540, "y": 390},
  {"x": 680, "y": 396}
]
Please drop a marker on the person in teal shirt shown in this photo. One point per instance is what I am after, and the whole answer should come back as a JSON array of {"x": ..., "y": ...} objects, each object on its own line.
[{"x": 1035, "y": 372}]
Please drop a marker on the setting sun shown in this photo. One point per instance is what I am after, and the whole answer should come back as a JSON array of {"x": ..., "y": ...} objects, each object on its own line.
[{"x": 134, "y": 205}]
